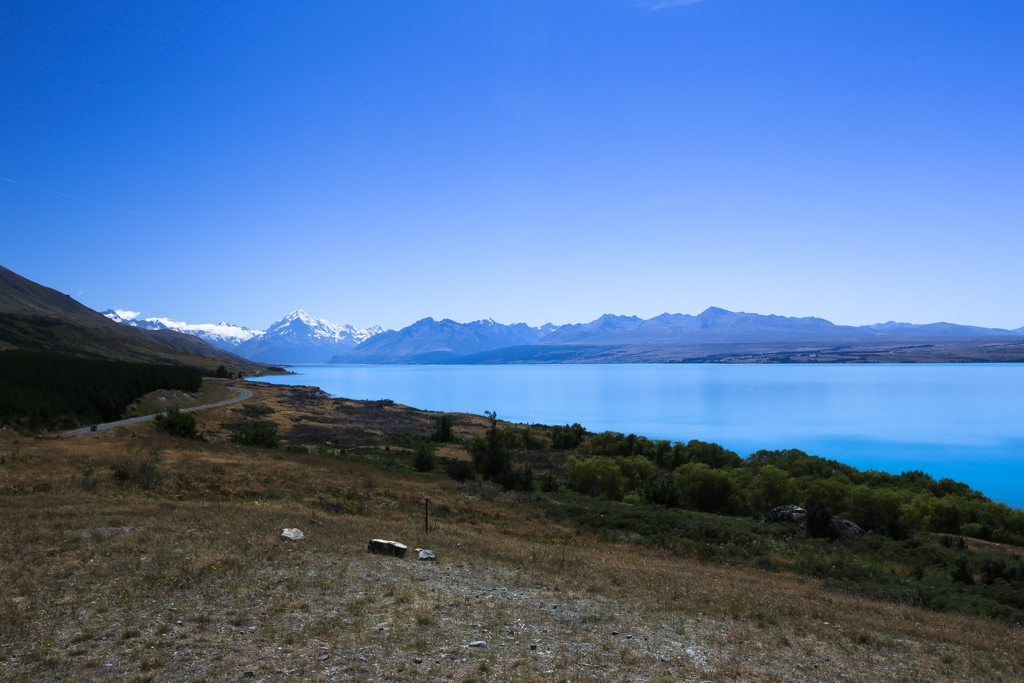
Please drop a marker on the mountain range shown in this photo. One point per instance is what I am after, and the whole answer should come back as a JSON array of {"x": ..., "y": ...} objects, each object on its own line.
[
  {"x": 296, "y": 339},
  {"x": 713, "y": 335}
]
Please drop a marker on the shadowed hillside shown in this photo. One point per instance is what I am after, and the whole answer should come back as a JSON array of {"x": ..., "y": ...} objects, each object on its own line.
[{"x": 37, "y": 318}]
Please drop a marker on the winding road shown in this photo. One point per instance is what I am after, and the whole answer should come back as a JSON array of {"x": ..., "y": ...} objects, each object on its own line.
[{"x": 242, "y": 395}]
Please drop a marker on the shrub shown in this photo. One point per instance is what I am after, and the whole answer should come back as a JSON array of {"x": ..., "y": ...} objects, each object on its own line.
[
  {"x": 423, "y": 459},
  {"x": 549, "y": 484},
  {"x": 142, "y": 473},
  {"x": 532, "y": 441},
  {"x": 703, "y": 488},
  {"x": 517, "y": 478},
  {"x": 443, "y": 429},
  {"x": 258, "y": 409},
  {"x": 992, "y": 569},
  {"x": 819, "y": 520},
  {"x": 177, "y": 423},
  {"x": 459, "y": 470},
  {"x": 595, "y": 477},
  {"x": 567, "y": 437},
  {"x": 492, "y": 452},
  {"x": 962, "y": 571},
  {"x": 256, "y": 433}
]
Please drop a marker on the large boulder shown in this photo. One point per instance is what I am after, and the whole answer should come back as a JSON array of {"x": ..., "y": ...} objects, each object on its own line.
[
  {"x": 794, "y": 514},
  {"x": 382, "y": 547},
  {"x": 787, "y": 514},
  {"x": 846, "y": 525}
]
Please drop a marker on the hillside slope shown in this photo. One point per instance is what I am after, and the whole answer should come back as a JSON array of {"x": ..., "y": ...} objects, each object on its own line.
[{"x": 37, "y": 318}]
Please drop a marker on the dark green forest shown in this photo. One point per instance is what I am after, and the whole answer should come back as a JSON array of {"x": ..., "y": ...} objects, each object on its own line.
[{"x": 42, "y": 391}]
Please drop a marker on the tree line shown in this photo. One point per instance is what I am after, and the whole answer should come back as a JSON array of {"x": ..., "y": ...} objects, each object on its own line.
[
  {"x": 42, "y": 391},
  {"x": 707, "y": 477}
]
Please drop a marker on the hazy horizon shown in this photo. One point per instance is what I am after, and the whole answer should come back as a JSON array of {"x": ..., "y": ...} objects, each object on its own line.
[{"x": 524, "y": 161}]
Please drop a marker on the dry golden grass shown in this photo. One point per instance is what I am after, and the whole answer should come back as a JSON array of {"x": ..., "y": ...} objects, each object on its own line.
[{"x": 190, "y": 580}]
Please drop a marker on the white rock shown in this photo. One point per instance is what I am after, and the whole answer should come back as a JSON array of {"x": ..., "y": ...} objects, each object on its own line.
[
  {"x": 478, "y": 643},
  {"x": 292, "y": 534},
  {"x": 427, "y": 555}
]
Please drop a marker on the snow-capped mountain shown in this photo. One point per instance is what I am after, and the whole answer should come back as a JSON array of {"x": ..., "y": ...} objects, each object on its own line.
[
  {"x": 222, "y": 335},
  {"x": 439, "y": 341},
  {"x": 296, "y": 338},
  {"x": 300, "y": 338}
]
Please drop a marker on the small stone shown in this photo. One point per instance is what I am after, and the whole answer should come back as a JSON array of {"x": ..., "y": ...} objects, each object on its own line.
[
  {"x": 629, "y": 637},
  {"x": 478, "y": 643},
  {"x": 533, "y": 646},
  {"x": 667, "y": 627},
  {"x": 292, "y": 534},
  {"x": 417, "y": 660},
  {"x": 427, "y": 555},
  {"x": 322, "y": 658}
]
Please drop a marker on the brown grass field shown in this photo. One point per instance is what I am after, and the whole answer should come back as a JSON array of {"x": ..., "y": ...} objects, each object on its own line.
[{"x": 186, "y": 578}]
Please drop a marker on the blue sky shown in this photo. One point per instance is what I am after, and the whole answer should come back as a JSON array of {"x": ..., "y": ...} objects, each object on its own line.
[{"x": 376, "y": 163}]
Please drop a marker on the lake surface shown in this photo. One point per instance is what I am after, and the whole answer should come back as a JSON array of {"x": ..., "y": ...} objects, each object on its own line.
[{"x": 964, "y": 421}]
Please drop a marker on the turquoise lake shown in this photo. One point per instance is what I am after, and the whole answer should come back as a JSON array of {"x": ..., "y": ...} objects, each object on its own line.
[{"x": 964, "y": 421}]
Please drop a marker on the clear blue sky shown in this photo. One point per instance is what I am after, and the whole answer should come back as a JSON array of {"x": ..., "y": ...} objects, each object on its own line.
[{"x": 379, "y": 162}]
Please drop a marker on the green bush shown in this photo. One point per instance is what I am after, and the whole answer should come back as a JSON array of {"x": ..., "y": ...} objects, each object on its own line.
[
  {"x": 459, "y": 470},
  {"x": 568, "y": 437},
  {"x": 142, "y": 473},
  {"x": 443, "y": 429},
  {"x": 256, "y": 433},
  {"x": 703, "y": 488},
  {"x": 492, "y": 452},
  {"x": 819, "y": 520},
  {"x": 595, "y": 477},
  {"x": 963, "y": 572},
  {"x": 517, "y": 478},
  {"x": 258, "y": 409},
  {"x": 423, "y": 458},
  {"x": 532, "y": 441},
  {"x": 177, "y": 423}
]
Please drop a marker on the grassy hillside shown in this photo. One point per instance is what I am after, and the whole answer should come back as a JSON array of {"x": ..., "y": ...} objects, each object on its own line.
[{"x": 163, "y": 559}]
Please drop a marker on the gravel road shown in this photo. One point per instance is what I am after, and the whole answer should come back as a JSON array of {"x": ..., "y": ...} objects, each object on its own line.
[{"x": 243, "y": 394}]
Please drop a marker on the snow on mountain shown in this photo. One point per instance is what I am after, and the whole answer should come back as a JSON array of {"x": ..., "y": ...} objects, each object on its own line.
[
  {"x": 299, "y": 323},
  {"x": 222, "y": 335},
  {"x": 296, "y": 338},
  {"x": 300, "y": 338},
  {"x": 433, "y": 341}
]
